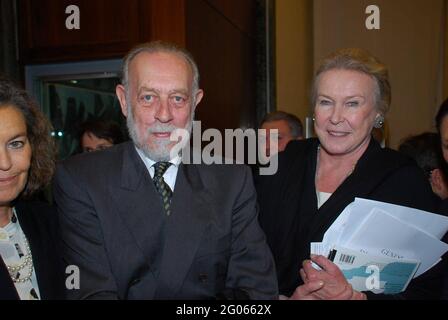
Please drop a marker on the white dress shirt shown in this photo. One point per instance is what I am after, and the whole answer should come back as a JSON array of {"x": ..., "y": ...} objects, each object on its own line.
[
  {"x": 322, "y": 197},
  {"x": 170, "y": 174}
]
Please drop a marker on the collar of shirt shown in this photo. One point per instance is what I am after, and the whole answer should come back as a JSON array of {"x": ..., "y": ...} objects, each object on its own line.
[
  {"x": 12, "y": 251},
  {"x": 9, "y": 231},
  {"x": 171, "y": 173}
]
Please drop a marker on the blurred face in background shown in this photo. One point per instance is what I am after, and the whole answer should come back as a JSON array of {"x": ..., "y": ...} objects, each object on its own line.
[
  {"x": 15, "y": 154},
  {"x": 345, "y": 111},
  {"x": 284, "y": 134},
  {"x": 444, "y": 137},
  {"x": 90, "y": 142}
]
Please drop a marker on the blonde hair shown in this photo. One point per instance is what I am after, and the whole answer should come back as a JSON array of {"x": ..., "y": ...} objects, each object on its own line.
[{"x": 360, "y": 60}]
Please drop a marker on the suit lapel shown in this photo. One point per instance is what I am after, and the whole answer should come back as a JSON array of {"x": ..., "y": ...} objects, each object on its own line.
[
  {"x": 184, "y": 230},
  {"x": 370, "y": 171},
  {"x": 7, "y": 288},
  {"x": 142, "y": 205},
  {"x": 36, "y": 241},
  {"x": 331, "y": 209},
  {"x": 300, "y": 172}
]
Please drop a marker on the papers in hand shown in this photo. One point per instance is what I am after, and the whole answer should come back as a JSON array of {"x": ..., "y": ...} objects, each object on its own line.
[
  {"x": 392, "y": 239},
  {"x": 379, "y": 274}
]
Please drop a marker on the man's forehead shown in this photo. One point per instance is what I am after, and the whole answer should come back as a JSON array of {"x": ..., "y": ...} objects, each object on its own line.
[
  {"x": 150, "y": 61},
  {"x": 277, "y": 124}
]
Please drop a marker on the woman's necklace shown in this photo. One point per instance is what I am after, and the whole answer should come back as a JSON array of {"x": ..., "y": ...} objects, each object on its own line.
[
  {"x": 26, "y": 261},
  {"x": 317, "y": 167}
]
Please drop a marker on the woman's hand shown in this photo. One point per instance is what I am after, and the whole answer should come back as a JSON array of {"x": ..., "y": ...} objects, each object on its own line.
[{"x": 328, "y": 283}]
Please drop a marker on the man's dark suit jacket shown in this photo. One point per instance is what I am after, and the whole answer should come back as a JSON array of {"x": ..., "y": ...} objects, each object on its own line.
[
  {"x": 110, "y": 216},
  {"x": 38, "y": 222},
  {"x": 291, "y": 219}
]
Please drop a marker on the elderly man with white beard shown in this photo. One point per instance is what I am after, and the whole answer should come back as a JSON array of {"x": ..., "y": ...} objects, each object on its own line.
[{"x": 140, "y": 224}]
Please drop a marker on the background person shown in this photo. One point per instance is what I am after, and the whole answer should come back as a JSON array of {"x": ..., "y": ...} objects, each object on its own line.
[
  {"x": 288, "y": 125},
  {"x": 442, "y": 129},
  {"x": 99, "y": 134},
  {"x": 426, "y": 150}
]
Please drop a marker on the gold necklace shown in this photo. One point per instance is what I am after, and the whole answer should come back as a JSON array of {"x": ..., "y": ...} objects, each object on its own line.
[{"x": 317, "y": 166}]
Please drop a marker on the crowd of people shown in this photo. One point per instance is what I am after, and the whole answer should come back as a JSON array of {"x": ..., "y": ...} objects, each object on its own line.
[{"x": 139, "y": 224}]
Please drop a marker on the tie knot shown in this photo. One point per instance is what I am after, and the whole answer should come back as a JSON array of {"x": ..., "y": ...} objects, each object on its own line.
[{"x": 160, "y": 168}]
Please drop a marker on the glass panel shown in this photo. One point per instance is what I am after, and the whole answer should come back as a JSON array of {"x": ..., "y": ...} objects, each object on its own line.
[{"x": 70, "y": 101}]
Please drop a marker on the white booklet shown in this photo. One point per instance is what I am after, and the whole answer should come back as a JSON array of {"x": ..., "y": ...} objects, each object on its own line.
[
  {"x": 379, "y": 274},
  {"x": 381, "y": 234},
  {"x": 376, "y": 230},
  {"x": 357, "y": 211}
]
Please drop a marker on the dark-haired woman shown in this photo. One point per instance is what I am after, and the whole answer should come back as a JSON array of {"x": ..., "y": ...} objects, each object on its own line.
[{"x": 30, "y": 267}]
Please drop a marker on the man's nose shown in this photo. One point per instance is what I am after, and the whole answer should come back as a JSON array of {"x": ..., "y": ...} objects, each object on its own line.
[{"x": 163, "y": 113}]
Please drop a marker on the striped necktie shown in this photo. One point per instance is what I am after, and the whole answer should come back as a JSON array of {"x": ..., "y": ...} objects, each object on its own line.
[{"x": 162, "y": 187}]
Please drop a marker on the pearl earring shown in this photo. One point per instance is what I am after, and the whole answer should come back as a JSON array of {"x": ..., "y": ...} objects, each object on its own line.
[{"x": 379, "y": 121}]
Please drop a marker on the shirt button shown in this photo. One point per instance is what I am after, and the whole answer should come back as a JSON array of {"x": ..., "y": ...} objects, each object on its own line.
[{"x": 203, "y": 277}]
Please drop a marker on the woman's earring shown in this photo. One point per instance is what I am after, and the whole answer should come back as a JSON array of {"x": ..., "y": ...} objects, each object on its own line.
[{"x": 379, "y": 121}]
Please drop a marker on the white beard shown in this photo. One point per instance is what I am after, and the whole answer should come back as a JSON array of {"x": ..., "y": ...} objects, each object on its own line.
[{"x": 160, "y": 149}]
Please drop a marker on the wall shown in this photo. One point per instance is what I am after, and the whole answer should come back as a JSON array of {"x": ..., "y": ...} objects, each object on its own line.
[
  {"x": 294, "y": 57},
  {"x": 220, "y": 35},
  {"x": 409, "y": 42},
  {"x": 108, "y": 28},
  {"x": 8, "y": 60}
]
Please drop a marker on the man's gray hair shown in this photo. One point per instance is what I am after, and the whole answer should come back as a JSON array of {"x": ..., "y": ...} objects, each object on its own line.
[
  {"x": 160, "y": 47},
  {"x": 294, "y": 123}
]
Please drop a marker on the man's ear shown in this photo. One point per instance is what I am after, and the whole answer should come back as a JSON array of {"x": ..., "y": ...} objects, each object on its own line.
[
  {"x": 437, "y": 177},
  {"x": 198, "y": 97},
  {"x": 438, "y": 183},
  {"x": 121, "y": 94}
]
